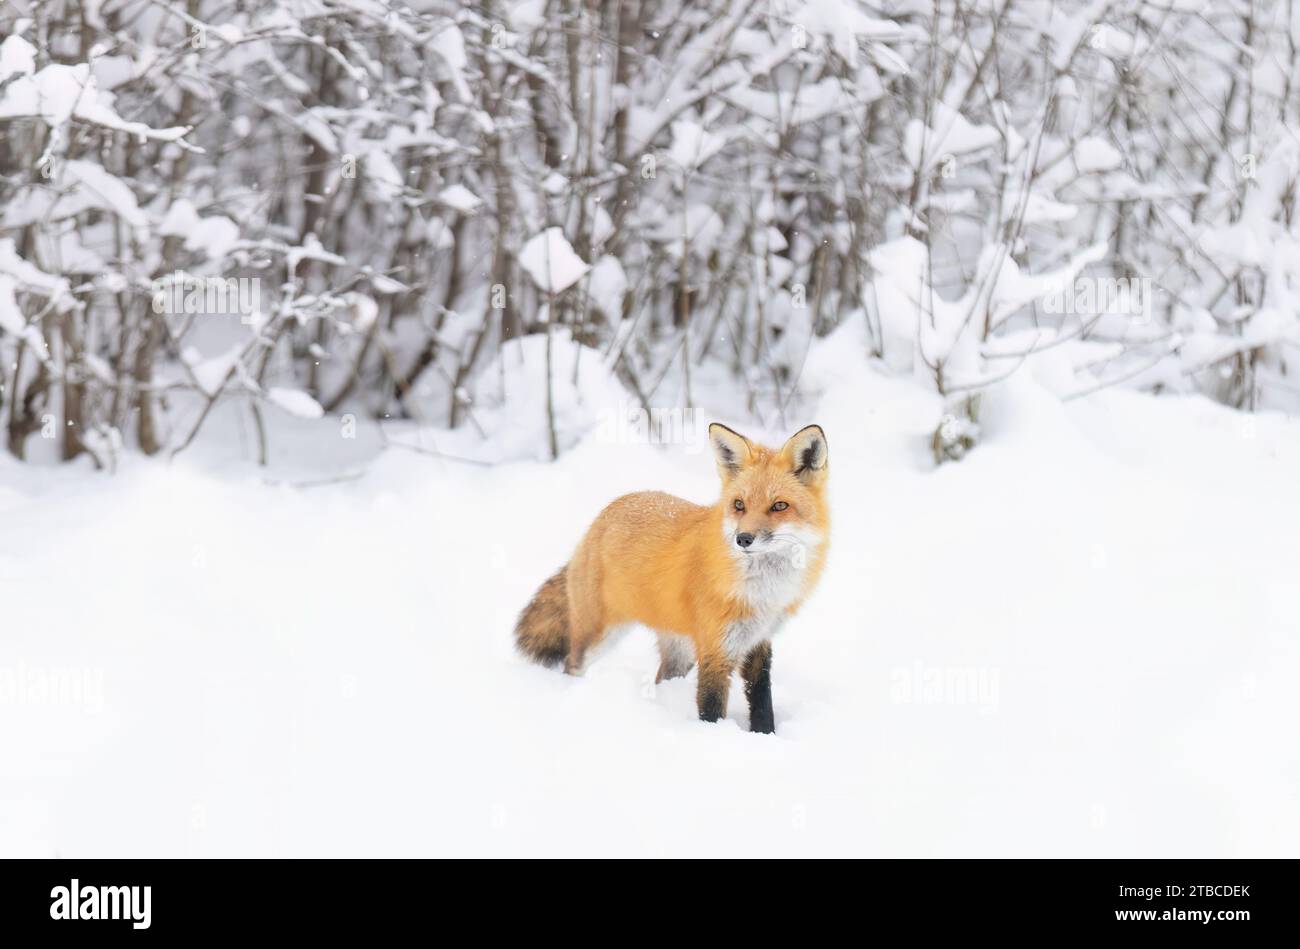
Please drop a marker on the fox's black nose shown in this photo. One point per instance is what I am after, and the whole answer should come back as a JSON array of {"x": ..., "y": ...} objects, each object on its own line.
[{"x": 744, "y": 540}]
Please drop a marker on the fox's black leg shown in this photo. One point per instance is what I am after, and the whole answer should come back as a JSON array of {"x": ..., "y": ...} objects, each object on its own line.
[
  {"x": 711, "y": 690},
  {"x": 757, "y": 673}
]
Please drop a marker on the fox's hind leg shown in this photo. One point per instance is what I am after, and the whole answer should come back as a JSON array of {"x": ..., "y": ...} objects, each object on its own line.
[
  {"x": 574, "y": 660},
  {"x": 583, "y": 638},
  {"x": 676, "y": 656},
  {"x": 588, "y": 631},
  {"x": 586, "y": 611}
]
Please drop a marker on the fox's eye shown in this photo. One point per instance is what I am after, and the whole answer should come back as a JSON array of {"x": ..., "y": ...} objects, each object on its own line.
[
  {"x": 739, "y": 505},
  {"x": 780, "y": 506}
]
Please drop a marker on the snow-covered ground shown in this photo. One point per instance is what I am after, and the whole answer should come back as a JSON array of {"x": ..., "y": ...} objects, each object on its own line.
[{"x": 1080, "y": 640}]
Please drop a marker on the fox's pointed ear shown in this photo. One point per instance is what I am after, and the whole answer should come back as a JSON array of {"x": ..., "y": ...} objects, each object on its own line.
[
  {"x": 806, "y": 453},
  {"x": 731, "y": 450}
]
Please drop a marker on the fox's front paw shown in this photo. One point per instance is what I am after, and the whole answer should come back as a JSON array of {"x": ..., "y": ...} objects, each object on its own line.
[
  {"x": 712, "y": 708},
  {"x": 763, "y": 724}
]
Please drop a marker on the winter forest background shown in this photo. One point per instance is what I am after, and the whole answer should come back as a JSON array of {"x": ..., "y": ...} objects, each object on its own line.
[
  {"x": 327, "y": 326},
  {"x": 692, "y": 191}
]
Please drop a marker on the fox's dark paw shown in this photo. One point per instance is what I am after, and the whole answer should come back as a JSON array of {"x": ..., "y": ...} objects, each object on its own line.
[{"x": 711, "y": 713}]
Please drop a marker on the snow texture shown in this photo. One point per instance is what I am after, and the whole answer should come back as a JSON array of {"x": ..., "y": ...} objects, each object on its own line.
[
  {"x": 984, "y": 670},
  {"x": 551, "y": 262}
]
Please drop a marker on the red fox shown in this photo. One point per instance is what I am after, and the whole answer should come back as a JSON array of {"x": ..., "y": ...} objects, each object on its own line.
[{"x": 714, "y": 583}]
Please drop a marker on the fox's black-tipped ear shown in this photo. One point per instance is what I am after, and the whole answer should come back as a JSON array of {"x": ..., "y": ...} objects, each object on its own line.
[
  {"x": 806, "y": 453},
  {"x": 731, "y": 450}
]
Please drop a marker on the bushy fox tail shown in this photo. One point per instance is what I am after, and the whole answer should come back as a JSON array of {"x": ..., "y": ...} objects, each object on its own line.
[{"x": 542, "y": 632}]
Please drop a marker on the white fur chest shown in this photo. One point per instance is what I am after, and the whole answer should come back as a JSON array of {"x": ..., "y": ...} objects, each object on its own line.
[
  {"x": 743, "y": 635},
  {"x": 769, "y": 585},
  {"x": 771, "y": 582},
  {"x": 772, "y": 575}
]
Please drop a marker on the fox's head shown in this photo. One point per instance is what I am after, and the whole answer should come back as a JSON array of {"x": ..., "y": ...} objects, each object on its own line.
[{"x": 772, "y": 501}]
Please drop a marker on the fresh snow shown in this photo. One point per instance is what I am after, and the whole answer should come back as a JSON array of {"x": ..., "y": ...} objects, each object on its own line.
[
  {"x": 17, "y": 57},
  {"x": 295, "y": 402},
  {"x": 12, "y": 320},
  {"x": 197, "y": 662},
  {"x": 59, "y": 92},
  {"x": 693, "y": 145},
  {"x": 551, "y": 261},
  {"x": 78, "y": 186},
  {"x": 924, "y": 147},
  {"x": 459, "y": 198},
  {"x": 607, "y": 287}
]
